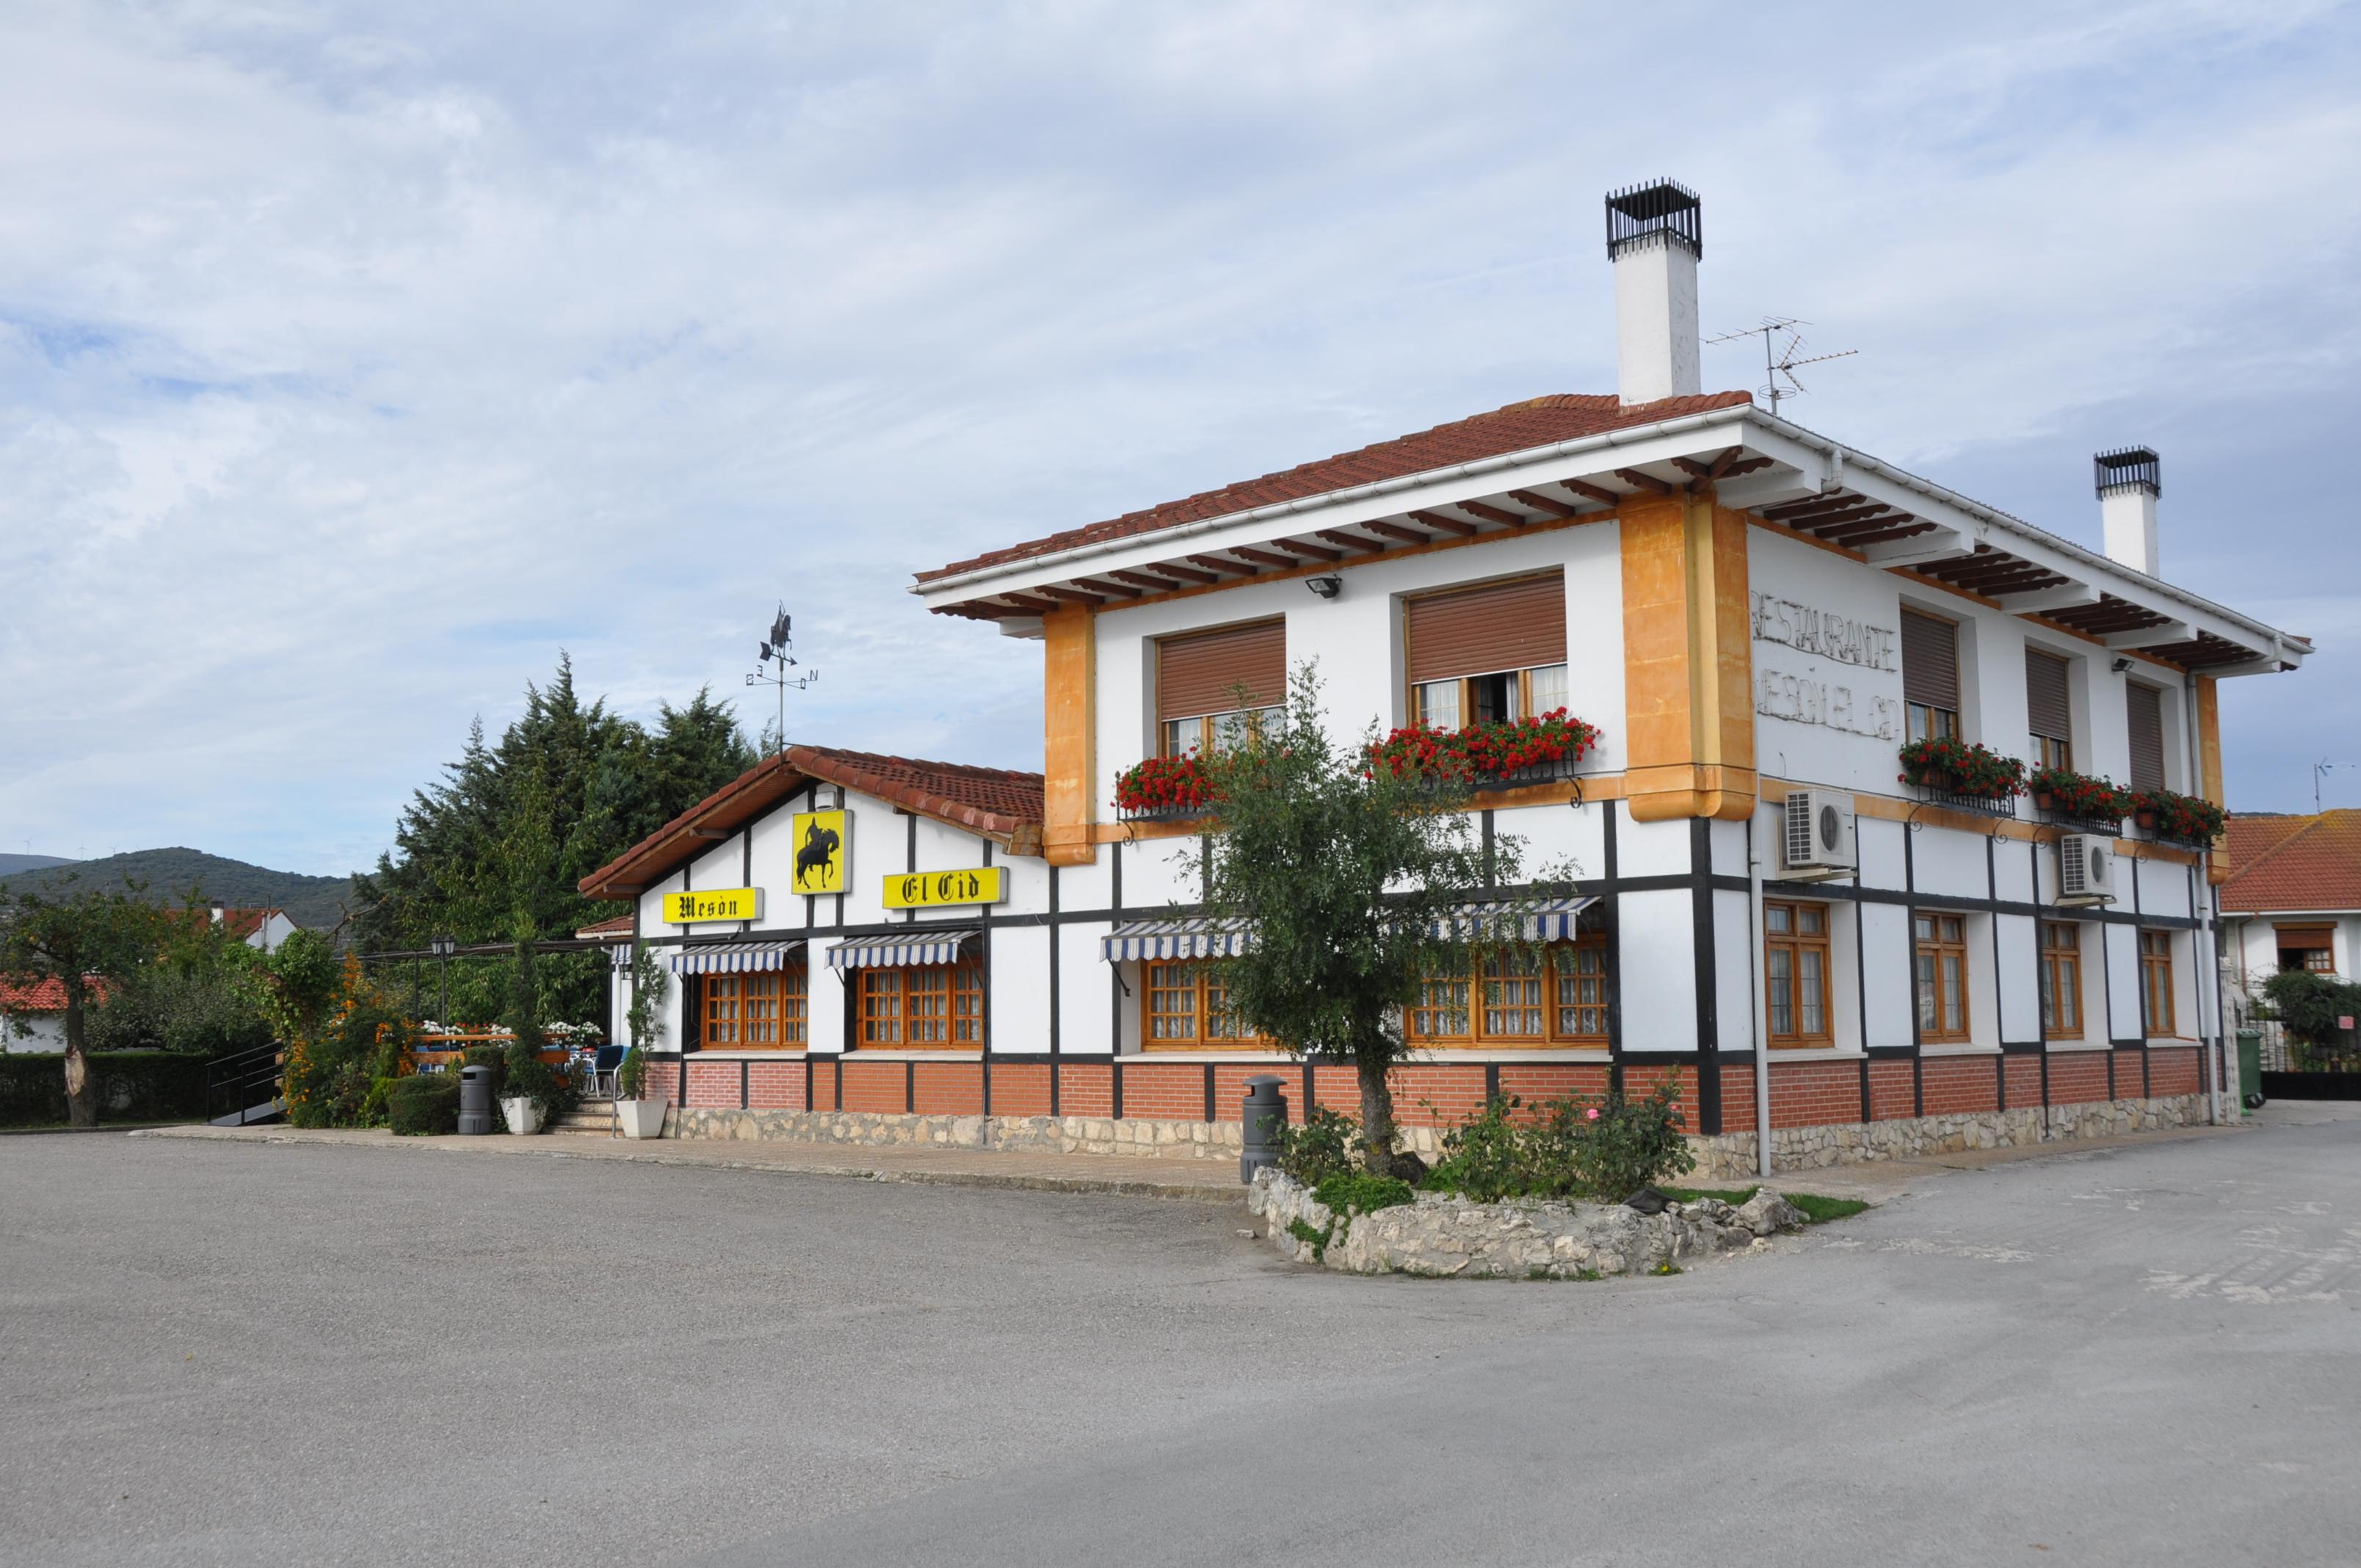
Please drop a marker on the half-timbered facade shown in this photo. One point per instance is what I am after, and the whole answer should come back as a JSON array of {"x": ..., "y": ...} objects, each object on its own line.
[{"x": 1755, "y": 617}]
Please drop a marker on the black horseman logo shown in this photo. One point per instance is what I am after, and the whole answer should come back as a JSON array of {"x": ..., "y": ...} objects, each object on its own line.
[{"x": 817, "y": 853}]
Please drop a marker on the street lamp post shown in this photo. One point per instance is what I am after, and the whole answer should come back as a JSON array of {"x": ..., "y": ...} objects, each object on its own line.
[{"x": 443, "y": 947}]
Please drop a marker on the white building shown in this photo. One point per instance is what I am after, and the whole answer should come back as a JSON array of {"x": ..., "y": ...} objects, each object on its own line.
[{"x": 1755, "y": 616}]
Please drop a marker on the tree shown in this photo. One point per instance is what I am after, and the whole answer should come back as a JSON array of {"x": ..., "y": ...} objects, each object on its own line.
[
  {"x": 76, "y": 938},
  {"x": 1354, "y": 882},
  {"x": 511, "y": 828}
]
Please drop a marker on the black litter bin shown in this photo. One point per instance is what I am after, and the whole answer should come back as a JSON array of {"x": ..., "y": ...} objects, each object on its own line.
[
  {"x": 476, "y": 1100},
  {"x": 1266, "y": 1117}
]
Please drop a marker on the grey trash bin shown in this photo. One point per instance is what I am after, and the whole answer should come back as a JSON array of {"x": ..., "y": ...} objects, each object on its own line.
[
  {"x": 1266, "y": 1116},
  {"x": 476, "y": 1100}
]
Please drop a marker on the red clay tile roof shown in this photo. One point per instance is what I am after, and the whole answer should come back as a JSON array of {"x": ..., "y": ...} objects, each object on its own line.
[
  {"x": 996, "y": 804},
  {"x": 2294, "y": 862},
  {"x": 44, "y": 996},
  {"x": 621, "y": 926},
  {"x": 1542, "y": 422}
]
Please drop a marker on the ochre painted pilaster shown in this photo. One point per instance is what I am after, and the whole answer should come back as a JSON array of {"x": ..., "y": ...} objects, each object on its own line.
[
  {"x": 1688, "y": 663},
  {"x": 2209, "y": 769},
  {"x": 1070, "y": 750}
]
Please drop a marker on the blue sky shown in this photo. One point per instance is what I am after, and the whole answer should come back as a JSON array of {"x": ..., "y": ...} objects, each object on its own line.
[{"x": 355, "y": 359}]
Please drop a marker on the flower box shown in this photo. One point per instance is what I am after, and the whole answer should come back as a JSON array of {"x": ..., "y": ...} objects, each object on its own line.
[
  {"x": 2095, "y": 805},
  {"x": 1500, "y": 754},
  {"x": 2182, "y": 819},
  {"x": 1163, "y": 788},
  {"x": 1974, "y": 777}
]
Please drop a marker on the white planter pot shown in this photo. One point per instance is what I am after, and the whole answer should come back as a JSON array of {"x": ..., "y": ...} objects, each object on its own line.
[
  {"x": 524, "y": 1115},
  {"x": 641, "y": 1118}
]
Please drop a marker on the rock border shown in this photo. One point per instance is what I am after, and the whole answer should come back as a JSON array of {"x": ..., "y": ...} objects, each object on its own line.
[{"x": 1439, "y": 1236}]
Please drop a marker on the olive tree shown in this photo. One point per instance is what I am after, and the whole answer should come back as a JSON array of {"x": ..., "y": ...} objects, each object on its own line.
[{"x": 1352, "y": 882}]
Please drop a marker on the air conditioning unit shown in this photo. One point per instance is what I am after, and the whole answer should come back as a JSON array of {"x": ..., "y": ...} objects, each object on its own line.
[
  {"x": 1819, "y": 833},
  {"x": 2086, "y": 869}
]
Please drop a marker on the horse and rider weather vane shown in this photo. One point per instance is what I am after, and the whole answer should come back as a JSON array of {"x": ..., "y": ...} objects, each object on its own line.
[{"x": 776, "y": 647}]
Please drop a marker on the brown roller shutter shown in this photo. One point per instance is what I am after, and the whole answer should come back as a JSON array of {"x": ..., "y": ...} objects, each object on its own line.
[
  {"x": 2146, "y": 705},
  {"x": 1200, "y": 673},
  {"x": 2292, "y": 936},
  {"x": 2046, "y": 710},
  {"x": 1518, "y": 625},
  {"x": 1930, "y": 661}
]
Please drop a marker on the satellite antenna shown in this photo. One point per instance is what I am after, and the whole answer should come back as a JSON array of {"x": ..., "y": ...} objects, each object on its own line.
[
  {"x": 1780, "y": 359},
  {"x": 777, "y": 646},
  {"x": 2320, "y": 770}
]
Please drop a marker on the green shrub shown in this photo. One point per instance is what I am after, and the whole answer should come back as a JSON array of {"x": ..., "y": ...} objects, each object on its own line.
[
  {"x": 129, "y": 1086},
  {"x": 1324, "y": 1145},
  {"x": 1605, "y": 1149},
  {"x": 1622, "y": 1145},
  {"x": 632, "y": 1078},
  {"x": 1361, "y": 1193},
  {"x": 424, "y": 1103}
]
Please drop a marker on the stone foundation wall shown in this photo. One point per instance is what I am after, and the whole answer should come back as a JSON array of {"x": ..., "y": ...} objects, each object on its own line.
[
  {"x": 1911, "y": 1137},
  {"x": 1728, "y": 1156}
]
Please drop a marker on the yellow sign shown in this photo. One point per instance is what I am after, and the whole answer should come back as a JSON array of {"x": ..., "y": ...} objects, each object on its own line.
[
  {"x": 823, "y": 841},
  {"x": 714, "y": 904},
  {"x": 922, "y": 890}
]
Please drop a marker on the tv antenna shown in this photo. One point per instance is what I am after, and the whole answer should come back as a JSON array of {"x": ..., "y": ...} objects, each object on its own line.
[
  {"x": 777, "y": 646},
  {"x": 2320, "y": 770},
  {"x": 1780, "y": 359}
]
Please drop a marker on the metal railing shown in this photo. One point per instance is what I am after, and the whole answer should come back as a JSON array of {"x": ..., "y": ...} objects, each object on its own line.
[{"x": 245, "y": 1088}]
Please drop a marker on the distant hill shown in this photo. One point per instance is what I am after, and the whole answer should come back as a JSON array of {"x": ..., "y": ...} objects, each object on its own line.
[
  {"x": 315, "y": 901},
  {"x": 11, "y": 864}
]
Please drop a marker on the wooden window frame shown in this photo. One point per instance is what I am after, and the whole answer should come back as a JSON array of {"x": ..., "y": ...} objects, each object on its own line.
[
  {"x": 1794, "y": 944},
  {"x": 1199, "y": 980},
  {"x": 755, "y": 1010},
  {"x": 2156, "y": 981},
  {"x": 2062, "y": 978},
  {"x": 883, "y": 1004},
  {"x": 1203, "y": 735},
  {"x": 1526, "y": 704},
  {"x": 1926, "y": 956},
  {"x": 1929, "y": 720},
  {"x": 2048, "y": 751},
  {"x": 1478, "y": 1034},
  {"x": 1179, "y": 734}
]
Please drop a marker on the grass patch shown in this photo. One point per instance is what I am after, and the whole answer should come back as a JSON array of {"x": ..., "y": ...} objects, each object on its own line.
[
  {"x": 1733, "y": 1196},
  {"x": 1821, "y": 1210}
]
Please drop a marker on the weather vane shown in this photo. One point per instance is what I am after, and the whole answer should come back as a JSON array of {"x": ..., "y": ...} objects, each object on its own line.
[
  {"x": 782, "y": 638},
  {"x": 1778, "y": 360}
]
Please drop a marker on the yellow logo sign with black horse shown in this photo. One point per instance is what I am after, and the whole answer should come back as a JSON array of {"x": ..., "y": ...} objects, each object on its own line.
[{"x": 823, "y": 842}]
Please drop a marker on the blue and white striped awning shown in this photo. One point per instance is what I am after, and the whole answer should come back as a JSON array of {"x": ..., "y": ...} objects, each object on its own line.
[
  {"x": 923, "y": 945},
  {"x": 1167, "y": 939},
  {"x": 734, "y": 958},
  {"x": 1551, "y": 920}
]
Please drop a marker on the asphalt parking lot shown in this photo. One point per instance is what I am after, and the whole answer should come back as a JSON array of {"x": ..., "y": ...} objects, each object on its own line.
[{"x": 235, "y": 1354}]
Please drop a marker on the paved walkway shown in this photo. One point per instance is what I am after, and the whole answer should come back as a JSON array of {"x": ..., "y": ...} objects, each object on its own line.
[
  {"x": 1137, "y": 1176},
  {"x": 1132, "y": 1175}
]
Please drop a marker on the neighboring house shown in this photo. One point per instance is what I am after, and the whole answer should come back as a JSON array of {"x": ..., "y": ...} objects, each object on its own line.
[
  {"x": 263, "y": 928},
  {"x": 1755, "y": 617},
  {"x": 33, "y": 1017},
  {"x": 2293, "y": 900}
]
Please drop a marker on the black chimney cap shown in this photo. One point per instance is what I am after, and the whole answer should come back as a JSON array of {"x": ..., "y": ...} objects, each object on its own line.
[
  {"x": 1641, "y": 213},
  {"x": 2132, "y": 468}
]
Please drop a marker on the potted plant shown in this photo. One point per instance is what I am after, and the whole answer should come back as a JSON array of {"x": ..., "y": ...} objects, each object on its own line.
[
  {"x": 639, "y": 1114},
  {"x": 2078, "y": 795},
  {"x": 1954, "y": 767}
]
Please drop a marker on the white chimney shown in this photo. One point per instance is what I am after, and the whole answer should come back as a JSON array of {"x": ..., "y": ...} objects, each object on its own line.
[
  {"x": 2129, "y": 483},
  {"x": 1655, "y": 235}
]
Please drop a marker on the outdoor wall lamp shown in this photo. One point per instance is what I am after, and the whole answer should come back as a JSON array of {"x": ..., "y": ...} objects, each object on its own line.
[
  {"x": 2123, "y": 666},
  {"x": 1328, "y": 585}
]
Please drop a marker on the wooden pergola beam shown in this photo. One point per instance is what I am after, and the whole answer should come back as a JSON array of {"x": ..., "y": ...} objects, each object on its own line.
[
  {"x": 1589, "y": 491},
  {"x": 1234, "y": 568},
  {"x": 1266, "y": 557},
  {"x": 1351, "y": 540},
  {"x": 1645, "y": 481},
  {"x": 1436, "y": 521},
  {"x": 1113, "y": 590},
  {"x": 1186, "y": 573},
  {"x": 1311, "y": 551},
  {"x": 1543, "y": 505},
  {"x": 1154, "y": 584},
  {"x": 1396, "y": 530},
  {"x": 1071, "y": 595},
  {"x": 1494, "y": 514}
]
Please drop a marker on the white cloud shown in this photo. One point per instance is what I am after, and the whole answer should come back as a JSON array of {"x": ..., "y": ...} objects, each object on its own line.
[{"x": 353, "y": 359}]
